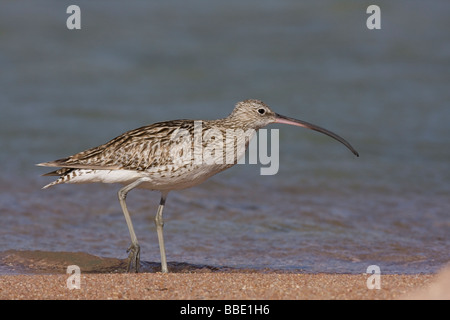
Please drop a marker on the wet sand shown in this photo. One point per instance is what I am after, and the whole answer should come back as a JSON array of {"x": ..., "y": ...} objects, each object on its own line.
[{"x": 104, "y": 278}]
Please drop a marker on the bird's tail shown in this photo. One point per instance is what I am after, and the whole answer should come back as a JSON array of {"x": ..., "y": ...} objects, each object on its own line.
[
  {"x": 59, "y": 181},
  {"x": 63, "y": 176}
]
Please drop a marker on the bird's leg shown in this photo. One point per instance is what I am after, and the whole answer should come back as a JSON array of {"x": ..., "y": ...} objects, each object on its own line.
[
  {"x": 159, "y": 229},
  {"x": 134, "y": 249}
]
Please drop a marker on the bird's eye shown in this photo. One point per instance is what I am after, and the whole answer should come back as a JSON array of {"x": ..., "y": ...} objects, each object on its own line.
[{"x": 261, "y": 111}]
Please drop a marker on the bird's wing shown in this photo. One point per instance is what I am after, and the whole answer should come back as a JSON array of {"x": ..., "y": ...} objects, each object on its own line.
[{"x": 137, "y": 149}]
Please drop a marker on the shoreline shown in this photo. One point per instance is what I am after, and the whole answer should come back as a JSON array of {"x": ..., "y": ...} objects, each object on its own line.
[{"x": 40, "y": 275}]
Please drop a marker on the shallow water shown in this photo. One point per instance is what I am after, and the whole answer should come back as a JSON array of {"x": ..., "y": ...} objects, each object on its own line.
[{"x": 386, "y": 91}]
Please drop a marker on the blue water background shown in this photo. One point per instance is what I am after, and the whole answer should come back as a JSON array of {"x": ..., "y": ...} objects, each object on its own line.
[{"x": 138, "y": 62}]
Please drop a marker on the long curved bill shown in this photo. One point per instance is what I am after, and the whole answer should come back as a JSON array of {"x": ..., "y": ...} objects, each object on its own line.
[{"x": 304, "y": 124}]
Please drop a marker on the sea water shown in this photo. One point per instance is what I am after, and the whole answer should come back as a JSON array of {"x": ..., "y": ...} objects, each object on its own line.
[{"x": 385, "y": 91}]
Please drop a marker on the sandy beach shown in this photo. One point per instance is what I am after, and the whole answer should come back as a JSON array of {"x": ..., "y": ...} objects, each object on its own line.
[
  {"x": 43, "y": 275},
  {"x": 220, "y": 286}
]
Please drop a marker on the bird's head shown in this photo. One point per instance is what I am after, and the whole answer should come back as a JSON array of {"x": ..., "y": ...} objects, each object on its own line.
[
  {"x": 253, "y": 113},
  {"x": 256, "y": 114}
]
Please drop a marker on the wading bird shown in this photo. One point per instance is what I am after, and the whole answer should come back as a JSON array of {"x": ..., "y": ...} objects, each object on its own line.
[{"x": 168, "y": 156}]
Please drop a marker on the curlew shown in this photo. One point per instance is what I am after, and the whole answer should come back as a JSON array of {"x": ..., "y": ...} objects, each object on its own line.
[{"x": 171, "y": 155}]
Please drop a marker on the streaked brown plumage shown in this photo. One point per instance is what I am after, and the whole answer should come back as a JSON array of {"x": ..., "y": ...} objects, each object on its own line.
[{"x": 164, "y": 156}]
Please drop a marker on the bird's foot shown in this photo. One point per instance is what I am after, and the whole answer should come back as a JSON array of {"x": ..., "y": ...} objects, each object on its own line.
[{"x": 133, "y": 258}]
